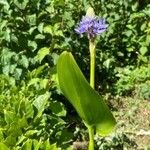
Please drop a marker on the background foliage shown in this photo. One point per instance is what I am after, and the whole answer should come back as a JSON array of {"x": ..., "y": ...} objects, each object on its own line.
[{"x": 33, "y": 34}]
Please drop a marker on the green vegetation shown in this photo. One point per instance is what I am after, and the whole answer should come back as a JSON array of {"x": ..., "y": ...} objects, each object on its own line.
[{"x": 33, "y": 112}]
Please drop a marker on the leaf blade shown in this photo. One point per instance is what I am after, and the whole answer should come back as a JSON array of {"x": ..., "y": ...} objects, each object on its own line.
[{"x": 86, "y": 101}]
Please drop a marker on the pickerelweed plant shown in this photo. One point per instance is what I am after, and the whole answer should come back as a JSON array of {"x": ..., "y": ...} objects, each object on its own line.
[
  {"x": 87, "y": 102},
  {"x": 92, "y": 26}
]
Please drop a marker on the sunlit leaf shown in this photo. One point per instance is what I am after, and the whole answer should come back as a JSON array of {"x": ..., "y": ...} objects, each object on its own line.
[
  {"x": 42, "y": 53},
  {"x": 40, "y": 103},
  {"x": 24, "y": 61},
  {"x": 29, "y": 112},
  {"x": 31, "y": 133},
  {"x": 27, "y": 145},
  {"x": 31, "y": 19},
  {"x": 32, "y": 45},
  {"x": 89, "y": 105},
  {"x": 21, "y": 4},
  {"x": 143, "y": 50},
  {"x": 9, "y": 116},
  {"x": 36, "y": 144},
  {"x": 3, "y": 147}
]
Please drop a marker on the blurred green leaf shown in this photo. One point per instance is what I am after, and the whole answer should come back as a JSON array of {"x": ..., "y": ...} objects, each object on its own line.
[
  {"x": 33, "y": 81},
  {"x": 32, "y": 45},
  {"x": 10, "y": 140},
  {"x": 58, "y": 108},
  {"x": 27, "y": 145},
  {"x": 65, "y": 136},
  {"x": 39, "y": 36},
  {"x": 3, "y": 147},
  {"x": 48, "y": 29},
  {"x": 24, "y": 61},
  {"x": 148, "y": 39},
  {"x": 31, "y": 133},
  {"x": 36, "y": 144},
  {"x": 21, "y": 3},
  {"x": 143, "y": 50},
  {"x": 40, "y": 102},
  {"x": 29, "y": 112},
  {"x": 31, "y": 19},
  {"x": 9, "y": 116},
  {"x": 47, "y": 146},
  {"x": 42, "y": 53},
  {"x": 18, "y": 73},
  {"x": 40, "y": 27}
]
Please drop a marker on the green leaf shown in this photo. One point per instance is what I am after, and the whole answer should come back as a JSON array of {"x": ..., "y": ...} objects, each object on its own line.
[
  {"x": 18, "y": 73},
  {"x": 53, "y": 147},
  {"x": 39, "y": 36},
  {"x": 29, "y": 112},
  {"x": 89, "y": 105},
  {"x": 48, "y": 29},
  {"x": 36, "y": 144},
  {"x": 33, "y": 81},
  {"x": 64, "y": 136},
  {"x": 59, "y": 3},
  {"x": 32, "y": 45},
  {"x": 42, "y": 53},
  {"x": 31, "y": 19},
  {"x": 47, "y": 146},
  {"x": 23, "y": 122},
  {"x": 41, "y": 102},
  {"x": 31, "y": 133},
  {"x": 3, "y": 147},
  {"x": 21, "y": 4},
  {"x": 128, "y": 33},
  {"x": 53, "y": 30},
  {"x": 10, "y": 140},
  {"x": 36, "y": 72},
  {"x": 55, "y": 58},
  {"x": 148, "y": 39},
  {"x": 58, "y": 108},
  {"x": 143, "y": 50},
  {"x": 44, "y": 83},
  {"x": 20, "y": 139},
  {"x": 9, "y": 116},
  {"x": 27, "y": 145},
  {"x": 40, "y": 27},
  {"x": 24, "y": 61},
  {"x": 1, "y": 134}
]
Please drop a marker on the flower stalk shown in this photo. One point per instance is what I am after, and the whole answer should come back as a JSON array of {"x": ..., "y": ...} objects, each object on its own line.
[
  {"x": 92, "y": 49},
  {"x": 92, "y": 26}
]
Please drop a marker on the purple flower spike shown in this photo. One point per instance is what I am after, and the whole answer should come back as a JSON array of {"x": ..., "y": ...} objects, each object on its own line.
[{"x": 92, "y": 26}]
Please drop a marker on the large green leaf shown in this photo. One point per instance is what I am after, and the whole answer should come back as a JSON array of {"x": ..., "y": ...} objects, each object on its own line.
[{"x": 86, "y": 101}]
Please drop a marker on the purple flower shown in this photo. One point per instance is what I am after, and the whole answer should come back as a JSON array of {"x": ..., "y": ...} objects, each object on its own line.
[{"x": 92, "y": 26}]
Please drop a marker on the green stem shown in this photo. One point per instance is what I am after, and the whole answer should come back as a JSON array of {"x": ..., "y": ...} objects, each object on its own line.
[
  {"x": 92, "y": 83},
  {"x": 92, "y": 62},
  {"x": 91, "y": 138}
]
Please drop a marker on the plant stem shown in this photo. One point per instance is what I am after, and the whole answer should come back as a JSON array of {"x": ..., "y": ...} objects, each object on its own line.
[
  {"x": 92, "y": 83},
  {"x": 91, "y": 138},
  {"x": 92, "y": 62}
]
